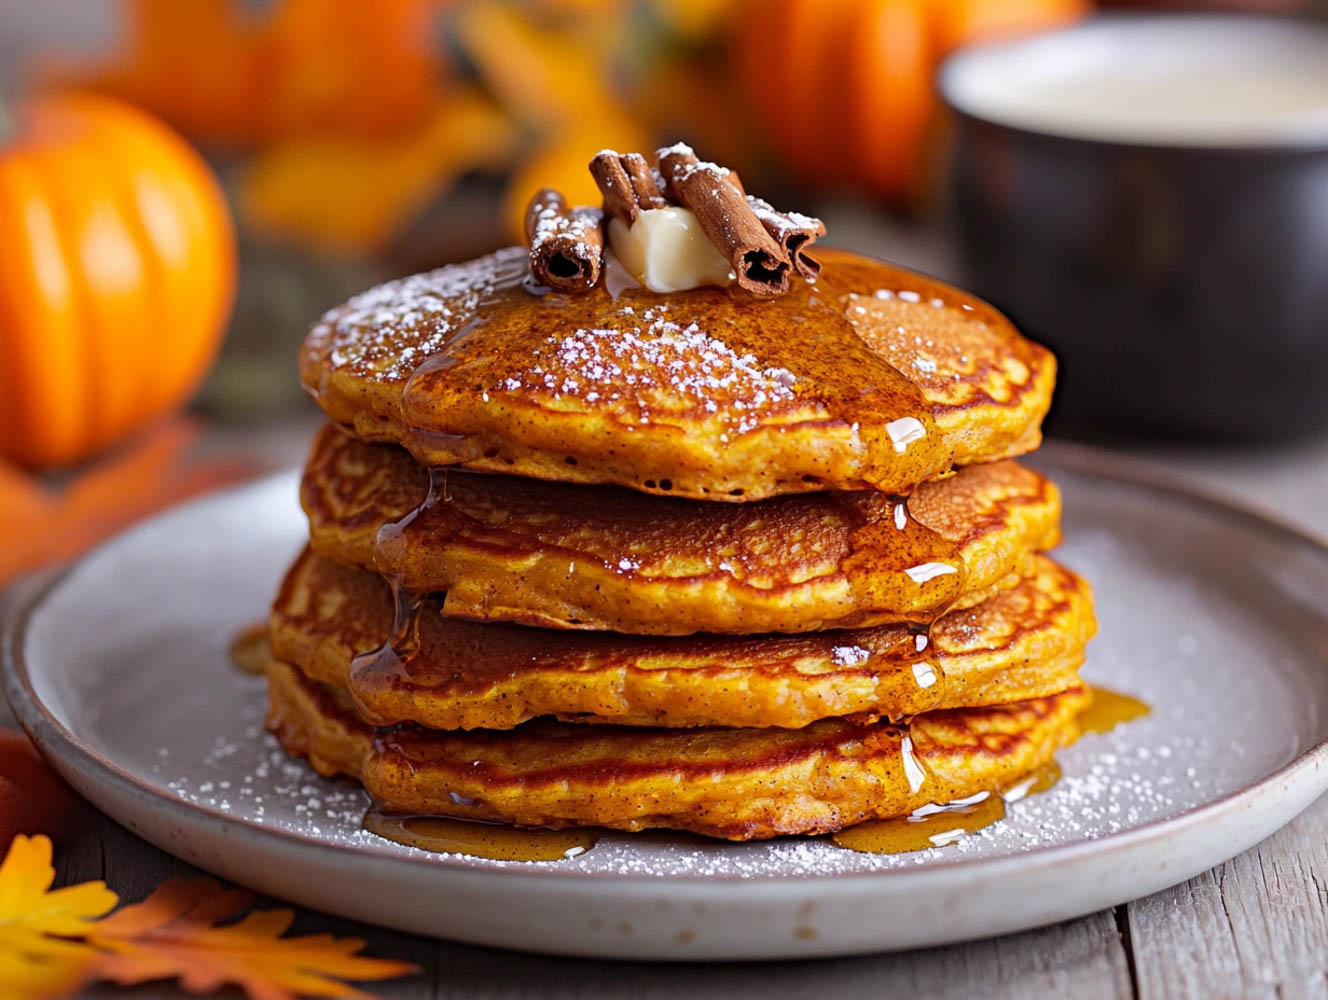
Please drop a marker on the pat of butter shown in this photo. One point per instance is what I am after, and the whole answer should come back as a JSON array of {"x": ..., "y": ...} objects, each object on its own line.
[{"x": 667, "y": 251}]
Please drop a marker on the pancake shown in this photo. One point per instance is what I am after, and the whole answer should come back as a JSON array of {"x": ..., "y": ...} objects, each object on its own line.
[
  {"x": 871, "y": 377},
  {"x": 739, "y": 784},
  {"x": 1026, "y": 642},
  {"x": 603, "y": 558}
]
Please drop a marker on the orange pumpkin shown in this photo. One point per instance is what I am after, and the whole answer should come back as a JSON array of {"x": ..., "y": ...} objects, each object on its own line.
[
  {"x": 843, "y": 89},
  {"x": 117, "y": 271}
]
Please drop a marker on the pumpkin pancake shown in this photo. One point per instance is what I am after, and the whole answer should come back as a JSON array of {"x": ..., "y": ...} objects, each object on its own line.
[
  {"x": 593, "y": 557},
  {"x": 1024, "y": 643},
  {"x": 739, "y": 784},
  {"x": 869, "y": 377}
]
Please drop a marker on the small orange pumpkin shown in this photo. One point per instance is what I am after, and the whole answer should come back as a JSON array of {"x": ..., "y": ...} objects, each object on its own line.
[
  {"x": 117, "y": 272},
  {"x": 843, "y": 88}
]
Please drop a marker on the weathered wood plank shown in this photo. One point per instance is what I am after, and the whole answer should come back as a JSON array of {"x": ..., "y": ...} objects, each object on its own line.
[
  {"x": 1081, "y": 959},
  {"x": 1255, "y": 927}
]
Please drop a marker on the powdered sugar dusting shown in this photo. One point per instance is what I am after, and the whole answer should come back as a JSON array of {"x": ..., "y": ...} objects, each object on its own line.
[
  {"x": 651, "y": 358},
  {"x": 783, "y": 223},
  {"x": 849, "y": 656},
  {"x": 579, "y": 224},
  {"x": 393, "y": 327},
  {"x": 686, "y": 171}
]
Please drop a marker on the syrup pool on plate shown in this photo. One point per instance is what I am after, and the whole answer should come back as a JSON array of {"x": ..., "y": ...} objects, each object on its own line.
[
  {"x": 249, "y": 650},
  {"x": 479, "y": 840},
  {"x": 941, "y": 824},
  {"x": 1108, "y": 710}
]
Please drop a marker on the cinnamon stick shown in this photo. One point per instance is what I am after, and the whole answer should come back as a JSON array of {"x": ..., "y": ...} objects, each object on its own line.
[
  {"x": 644, "y": 186},
  {"x": 793, "y": 231},
  {"x": 566, "y": 245},
  {"x": 760, "y": 263},
  {"x": 627, "y": 184}
]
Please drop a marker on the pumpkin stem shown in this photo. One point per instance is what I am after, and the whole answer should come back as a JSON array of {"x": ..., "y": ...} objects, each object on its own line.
[{"x": 6, "y": 121}]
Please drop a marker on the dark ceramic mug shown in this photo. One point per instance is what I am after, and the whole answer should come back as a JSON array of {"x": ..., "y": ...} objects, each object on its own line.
[{"x": 1148, "y": 195}]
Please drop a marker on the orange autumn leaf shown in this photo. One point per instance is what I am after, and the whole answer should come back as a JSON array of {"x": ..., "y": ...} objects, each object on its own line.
[
  {"x": 52, "y": 944},
  {"x": 172, "y": 934},
  {"x": 40, "y": 525},
  {"x": 554, "y": 79},
  {"x": 38, "y": 954},
  {"x": 562, "y": 163}
]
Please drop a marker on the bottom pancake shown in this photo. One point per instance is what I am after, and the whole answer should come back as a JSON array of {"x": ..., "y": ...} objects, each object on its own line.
[{"x": 738, "y": 784}]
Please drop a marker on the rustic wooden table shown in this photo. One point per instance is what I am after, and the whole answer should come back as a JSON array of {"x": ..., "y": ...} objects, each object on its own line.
[{"x": 1255, "y": 927}]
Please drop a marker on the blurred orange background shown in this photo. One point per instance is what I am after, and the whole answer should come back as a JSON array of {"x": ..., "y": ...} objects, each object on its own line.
[{"x": 343, "y": 142}]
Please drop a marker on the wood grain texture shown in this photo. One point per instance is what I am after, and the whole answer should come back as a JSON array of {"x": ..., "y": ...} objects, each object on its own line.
[
  {"x": 1255, "y": 927},
  {"x": 1082, "y": 958}
]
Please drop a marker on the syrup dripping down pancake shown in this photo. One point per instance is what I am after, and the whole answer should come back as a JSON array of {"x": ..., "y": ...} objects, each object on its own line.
[
  {"x": 604, "y": 558},
  {"x": 871, "y": 377},
  {"x": 1024, "y": 643},
  {"x": 739, "y": 784}
]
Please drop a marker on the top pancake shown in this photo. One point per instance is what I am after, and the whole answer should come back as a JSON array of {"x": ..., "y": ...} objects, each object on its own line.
[{"x": 871, "y": 377}]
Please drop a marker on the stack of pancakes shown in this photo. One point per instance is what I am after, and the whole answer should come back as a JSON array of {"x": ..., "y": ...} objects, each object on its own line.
[{"x": 687, "y": 560}]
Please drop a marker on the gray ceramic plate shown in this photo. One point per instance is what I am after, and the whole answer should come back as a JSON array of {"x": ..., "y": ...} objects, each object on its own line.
[{"x": 118, "y": 669}]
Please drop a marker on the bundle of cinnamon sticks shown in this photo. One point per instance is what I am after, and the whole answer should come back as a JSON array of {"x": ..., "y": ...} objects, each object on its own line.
[{"x": 764, "y": 246}]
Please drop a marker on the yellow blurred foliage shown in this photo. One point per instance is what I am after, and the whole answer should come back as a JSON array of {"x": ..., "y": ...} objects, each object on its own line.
[
  {"x": 563, "y": 163},
  {"x": 548, "y": 78},
  {"x": 353, "y": 194}
]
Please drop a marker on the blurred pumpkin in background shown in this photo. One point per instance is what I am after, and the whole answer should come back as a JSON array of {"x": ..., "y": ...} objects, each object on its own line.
[
  {"x": 843, "y": 91},
  {"x": 117, "y": 269}
]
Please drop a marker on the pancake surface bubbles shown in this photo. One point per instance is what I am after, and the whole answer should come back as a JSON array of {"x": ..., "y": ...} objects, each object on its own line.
[
  {"x": 604, "y": 558},
  {"x": 871, "y": 377},
  {"x": 1026, "y": 642},
  {"x": 757, "y": 782}
]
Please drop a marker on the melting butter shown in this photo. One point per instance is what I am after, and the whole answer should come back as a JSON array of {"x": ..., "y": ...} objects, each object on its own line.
[{"x": 666, "y": 250}]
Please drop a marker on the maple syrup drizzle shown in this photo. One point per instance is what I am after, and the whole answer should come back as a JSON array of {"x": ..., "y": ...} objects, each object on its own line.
[
  {"x": 940, "y": 824},
  {"x": 898, "y": 564},
  {"x": 1041, "y": 780},
  {"x": 1109, "y": 709},
  {"x": 250, "y": 650},
  {"x": 479, "y": 840},
  {"x": 381, "y": 667},
  {"x": 932, "y": 825},
  {"x": 808, "y": 332}
]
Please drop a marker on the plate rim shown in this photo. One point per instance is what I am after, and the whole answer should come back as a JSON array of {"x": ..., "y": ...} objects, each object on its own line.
[{"x": 58, "y": 742}]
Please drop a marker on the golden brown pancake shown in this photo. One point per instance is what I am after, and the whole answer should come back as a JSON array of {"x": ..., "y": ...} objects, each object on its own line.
[
  {"x": 739, "y": 784},
  {"x": 1024, "y": 643},
  {"x": 870, "y": 377},
  {"x": 594, "y": 557}
]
